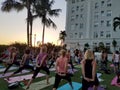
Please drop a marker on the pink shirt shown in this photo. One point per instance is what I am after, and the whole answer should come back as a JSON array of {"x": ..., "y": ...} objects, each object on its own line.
[{"x": 61, "y": 61}]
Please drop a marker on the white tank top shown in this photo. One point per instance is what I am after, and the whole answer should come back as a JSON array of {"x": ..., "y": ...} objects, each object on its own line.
[{"x": 116, "y": 59}]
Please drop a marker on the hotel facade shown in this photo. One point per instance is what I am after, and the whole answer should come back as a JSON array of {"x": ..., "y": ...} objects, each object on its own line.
[{"x": 91, "y": 21}]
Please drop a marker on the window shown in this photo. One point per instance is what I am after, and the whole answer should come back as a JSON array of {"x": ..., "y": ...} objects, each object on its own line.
[
  {"x": 96, "y": 15},
  {"x": 102, "y": 13},
  {"x": 96, "y": 24},
  {"x": 96, "y": 5},
  {"x": 72, "y": 10},
  {"x": 72, "y": 27},
  {"x": 82, "y": 0},
  {"x": 109, "y": 3},
  {"x": 108, "y": 35},
  {"x": 95, "y": 35},
  {"x": 81, "y": 15},
  {"x": 102, "y": 3},
  {"x": 109, "y": 12},
  {"x": 81, "y": 25},
  {"x": 72, "y": 18},
  {"x": 101, "y": 33},
  {"x": 73, "y": 1},
  {"x": 77, "y": 16},
  {"x": 77, "y": 8},
  {"x": 76, "y": 35},
  {"x": 102, "y": 22},
  {"x": 81, "y": 35},
  {"x": 81, "y": 9},
  {"x": 108, "y": 23},
  {"x": 71, "y": 35}
]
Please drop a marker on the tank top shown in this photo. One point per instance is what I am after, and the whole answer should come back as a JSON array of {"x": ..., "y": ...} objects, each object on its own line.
[
  {"x": 27, "y": 60},
  {"x": 61, "y": 64},
  {"x": 40, "y": 56},
  {"x": 88, "y": 68},
  {"x": 116, "y": 59}
]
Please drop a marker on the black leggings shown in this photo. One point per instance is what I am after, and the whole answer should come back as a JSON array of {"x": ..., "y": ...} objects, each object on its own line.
[
  {"x": 45, "y": 68},
  {"x": 52, "y": 62},
  {"x": 24, "y": 67},
  {"x": 58, "y": 79},
  {"x": 9, "y": 65}
]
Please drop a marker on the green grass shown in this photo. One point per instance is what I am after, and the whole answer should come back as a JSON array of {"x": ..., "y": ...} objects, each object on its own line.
[{"x": 76, "y": 78}]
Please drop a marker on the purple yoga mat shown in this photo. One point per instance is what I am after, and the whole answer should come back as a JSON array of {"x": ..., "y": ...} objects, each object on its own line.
[
  {"x": 9, "y": 73},
  {"x": 114, "y": 82},
  {"x": 21, "y": 78},
  {"x": 99, "y": 88},
  {"x": 72, "y": 71}
]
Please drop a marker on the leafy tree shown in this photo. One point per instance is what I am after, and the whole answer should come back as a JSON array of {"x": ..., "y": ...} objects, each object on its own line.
[
  {"x": 101, "y": 46},
  {"x": 43, "y": 10},
  {"x": 62, "y": 36},
  {"x": 19, "y": 5},
  {"x": 116, "y": 23}
]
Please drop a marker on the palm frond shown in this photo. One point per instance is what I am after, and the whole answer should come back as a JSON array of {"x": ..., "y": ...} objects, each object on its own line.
[
  {"x": 116, "y": 19},
  {"x": 9, "y": 5},
  {"x": 54, "y": 12},
  {"x": 115, "y": 25}
]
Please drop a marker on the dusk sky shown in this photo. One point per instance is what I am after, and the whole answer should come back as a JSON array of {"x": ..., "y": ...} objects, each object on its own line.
[{"x": 13, "y": 25}]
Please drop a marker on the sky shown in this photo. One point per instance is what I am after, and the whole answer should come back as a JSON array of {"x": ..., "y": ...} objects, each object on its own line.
[{"x": 13, "y": 26}]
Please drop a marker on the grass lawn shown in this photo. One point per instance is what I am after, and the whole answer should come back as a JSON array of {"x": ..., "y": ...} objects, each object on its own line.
[{"x": 76, "y": 78}]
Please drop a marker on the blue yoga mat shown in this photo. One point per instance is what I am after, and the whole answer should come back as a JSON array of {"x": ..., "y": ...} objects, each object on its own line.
[
  {"x": 67, "y": 86},
  {"x": 1, "y": 66}
]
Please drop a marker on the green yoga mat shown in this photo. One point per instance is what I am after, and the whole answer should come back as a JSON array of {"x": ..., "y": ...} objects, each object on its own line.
[{"x": 41, "y": 84}]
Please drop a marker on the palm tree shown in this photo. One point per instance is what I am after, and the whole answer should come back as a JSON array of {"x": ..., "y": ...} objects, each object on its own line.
[
  {"x": 19, "y": 5},
  {"x": 43, "y": 10},
  {"x": 62, "y": 36},
  {"x": 116, "y": 23}
]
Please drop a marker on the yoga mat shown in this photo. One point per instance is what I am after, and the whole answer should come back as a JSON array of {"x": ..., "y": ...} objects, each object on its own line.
[
  {"x": 52, "y": 69},
  {"x": 76, "y": 86},
  {"x": 41, "y": 84},
  {"x": 20, "y": 78},
  {"x": 72, "y": 71},
  {"x": 100, "y": 80},
  {"x": 9, "y": 73},
  {"x": 99, "y": 74},
  {"x": 3, "y": 69},
  {"x": 114, "y": 82},
  {"x": 78, "y": 66},
  {"x": 111, "y": 65},
  {"x": 1, "y": 66},
  {"x": 99, "y": 88}
]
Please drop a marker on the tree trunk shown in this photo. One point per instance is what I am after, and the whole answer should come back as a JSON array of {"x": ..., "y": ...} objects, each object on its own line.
[
  {"x": 43, "y": 33},
  {"x": 28, "y": 14}
]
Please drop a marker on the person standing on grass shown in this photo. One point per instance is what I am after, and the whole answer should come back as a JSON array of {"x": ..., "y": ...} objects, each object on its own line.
[
  {"x": 116, "y": 61},
  {"x": 61, "y": 70},
  {"x": 12, "y": 59},
  {"x": 68, "y": 55},
  {"x": 41, "y": 63},
  {"x": 53, "y": 55},
  {"x": 24, "y": 63},
  {"x": 89, "y": 71}
]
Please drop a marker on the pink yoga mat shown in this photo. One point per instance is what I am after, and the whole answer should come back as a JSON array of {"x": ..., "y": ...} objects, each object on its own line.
[
  {"x": 21, "y": 78},
  {"x": 114, "y": 82},
  {"x": 9, "y": 73},
  {"x": 99, "y": 88}
]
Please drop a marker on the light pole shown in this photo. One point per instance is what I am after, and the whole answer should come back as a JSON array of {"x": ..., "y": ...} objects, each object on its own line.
[{"x": 34, "y": 40}]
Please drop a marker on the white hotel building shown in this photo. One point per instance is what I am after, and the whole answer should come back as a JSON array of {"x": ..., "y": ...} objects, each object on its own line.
[{"x": 91, "y": 21}]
